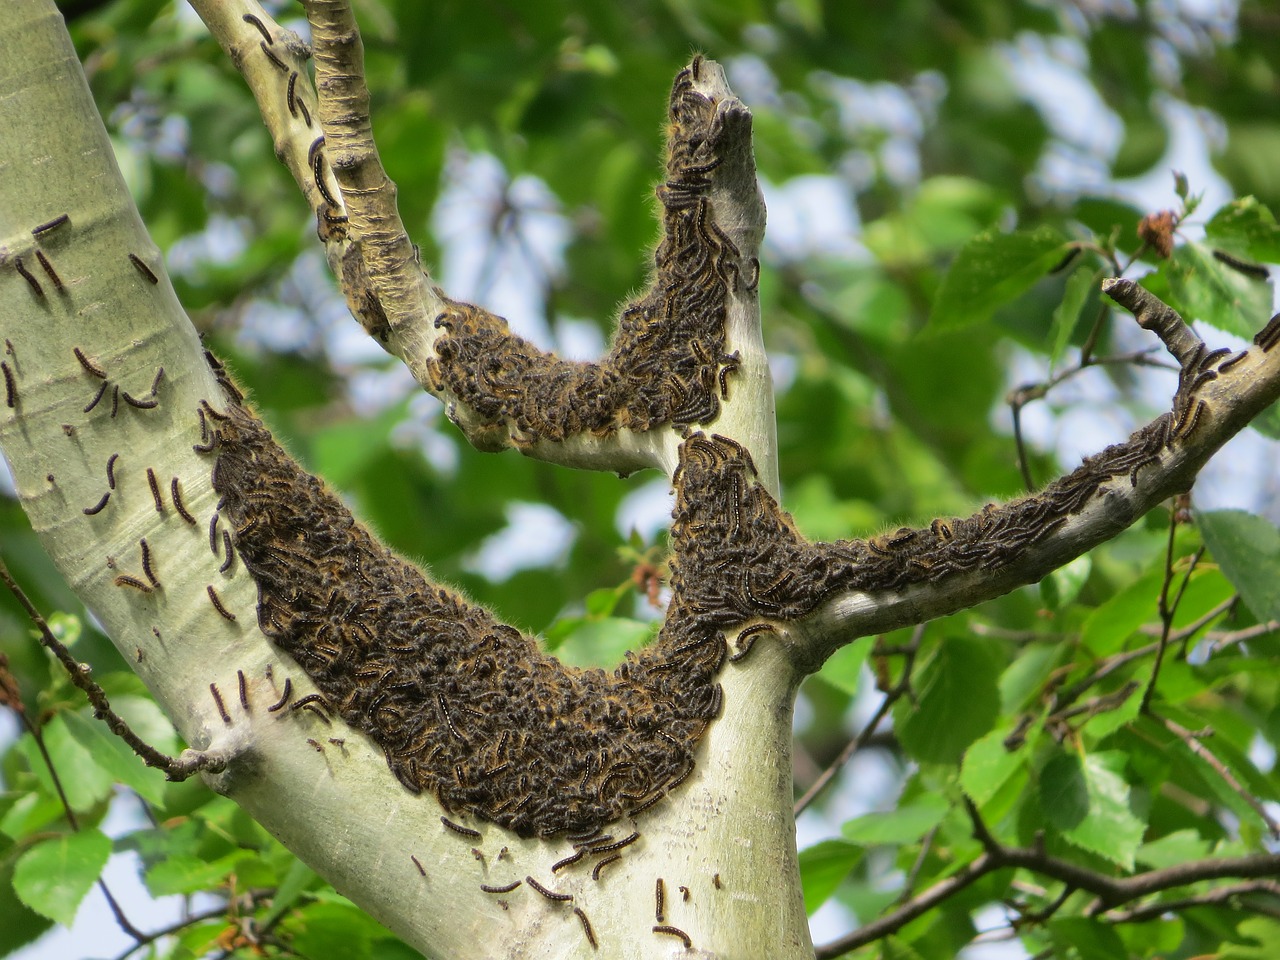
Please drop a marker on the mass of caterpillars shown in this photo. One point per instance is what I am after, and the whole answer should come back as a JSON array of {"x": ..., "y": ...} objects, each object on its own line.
[
  {"x": 668, "y": 363},
  {"x": 472, "y": 711},
  {"x": 463, "y": 706}
]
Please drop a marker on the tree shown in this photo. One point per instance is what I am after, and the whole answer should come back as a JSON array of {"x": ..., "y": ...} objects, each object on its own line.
[{"x": 422, "y": 756}]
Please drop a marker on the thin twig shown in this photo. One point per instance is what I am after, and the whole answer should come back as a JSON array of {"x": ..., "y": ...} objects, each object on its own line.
[
  {"x": 1160, "y": 908},
  {"x": 1021, "y": 396},
  {"x": 173, "y": 767},
  {"x": 37, "y": 735},
  {"x": 868, "y": 731},
  {"x": 1110, "y": 891},
  {"x": 1234, "y": 637},
  {"x": 190, "y": 920},
  {"x": 1166, "y": 609},
  {"x": 913, "y": 875},
  {"x": 1192, "y": 740}
]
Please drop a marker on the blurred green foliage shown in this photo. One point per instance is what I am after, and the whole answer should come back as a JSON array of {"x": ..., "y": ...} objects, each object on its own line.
[{"x": 893, "y": 364}]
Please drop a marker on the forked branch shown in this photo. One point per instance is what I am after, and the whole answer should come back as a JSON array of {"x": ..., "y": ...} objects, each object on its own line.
[{"x": 677, "y": 349}]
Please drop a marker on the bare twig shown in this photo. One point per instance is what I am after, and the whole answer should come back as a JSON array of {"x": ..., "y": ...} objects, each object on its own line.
[
  {"x": 868, "y": 731},
  {"x": 1028, "y": 392},
  {"x": 390, "y": 265},
  {"x": 174, "y": 768},
  {"x": 1218, "y": 895},
  {"x": 1222, "y": 641},
  {"x": 1193, "y": 741},
  {"x": 1167, "y": 609},
  {"x": 1110, "y": 891}
]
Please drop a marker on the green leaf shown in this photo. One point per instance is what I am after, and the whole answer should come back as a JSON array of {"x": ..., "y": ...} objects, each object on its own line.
[
  {"x": 1221, "y": 296},
  {"x": 332, "y": 931},
  {"x": 1067, "y": 315},
  {"x": 1180, "y": 186},
  {"x": 1087, "y": 801},
  {"x": 1247, "y": 548},
  {"x": 114, "y": 756},
  {"x": 53, "y": 876},
  {"x": 83, "y": 780},
  {"x": 603, "y": 642},
  {"x": 1267, "y": 422},
  {"x": 21, "y": 924},
  {"x": 188, "y": 874},
  {"x": 296, "y": 880},
  {"x": 1083, "y": 938},
  {"x": 957, "y": 701},
  {"x": 1110, "y": 625},
  {"x": 907, "y": 824},
  {"x": 1061, "y": 587},
  {"x": 1246, "y": 227},
  {"x": 1263, "y": 935},
  {"x": 67, "y": 627},
  {"x": 602, "y": 602},
  {"x": 988, "y": 765},
  {"x": 843, "y": 669},
  {"x": 1181, "y": 846},
  {"x": 895, "y": 948},
  {"x": 991, "y": 270},
  {"x": 823, "y": 866}
]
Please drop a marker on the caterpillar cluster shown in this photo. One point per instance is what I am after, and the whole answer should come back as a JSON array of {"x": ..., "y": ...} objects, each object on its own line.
[
  {"x": 471, "y": 710},
  {"x": 668, "y": 363},
  {"x": 462, "y": 705}
]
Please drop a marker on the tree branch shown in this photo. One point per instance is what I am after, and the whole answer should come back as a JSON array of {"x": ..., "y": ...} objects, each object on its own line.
[
  {"x": 175, "y": 768},
  {"x": 1111, "y": 891},
  {"x": 687, "y": 352},
  {"x": 915, "y": 575}
]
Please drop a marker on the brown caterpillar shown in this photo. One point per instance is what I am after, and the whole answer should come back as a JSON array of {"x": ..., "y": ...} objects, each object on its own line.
[
  {"x": 549, "y": 894},
  {"x": 98, "y": 507},
  {"x": 275, "y": 61},
  {"x": 28, "y": 276},
  {"x": 98, "y": 396},
  {"x": 258, "y": 25},
  {"x": 143, "y": 269},
  {"x": 146, "y": 564},
  {"x": 217, "y": 604},
  {"x": 671, "y": 931},
  {"x": 154, "y": 484},
  {"x": 51, "y": 225},
  {"x": 89, "y": 366},
  {"x": 222, "y": 709},
  {"x": 175, "y": 494},
  {"x": 586, "y": 927},
  {"x": 596, "y": 870},
  {"x": 49, "y": 271},
  {"x": 144, "y": 404},
  {"x": 284, "y": 697},
  {"x": 459, "y": 828},
  {"x": 1254, "y": 271}
]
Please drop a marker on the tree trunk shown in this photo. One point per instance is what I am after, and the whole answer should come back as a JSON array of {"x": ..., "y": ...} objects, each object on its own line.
[{"x": 728, "y": 837}]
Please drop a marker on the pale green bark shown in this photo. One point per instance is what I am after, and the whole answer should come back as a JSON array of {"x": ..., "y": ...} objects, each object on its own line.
[{"x": 338, "y": 808}]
